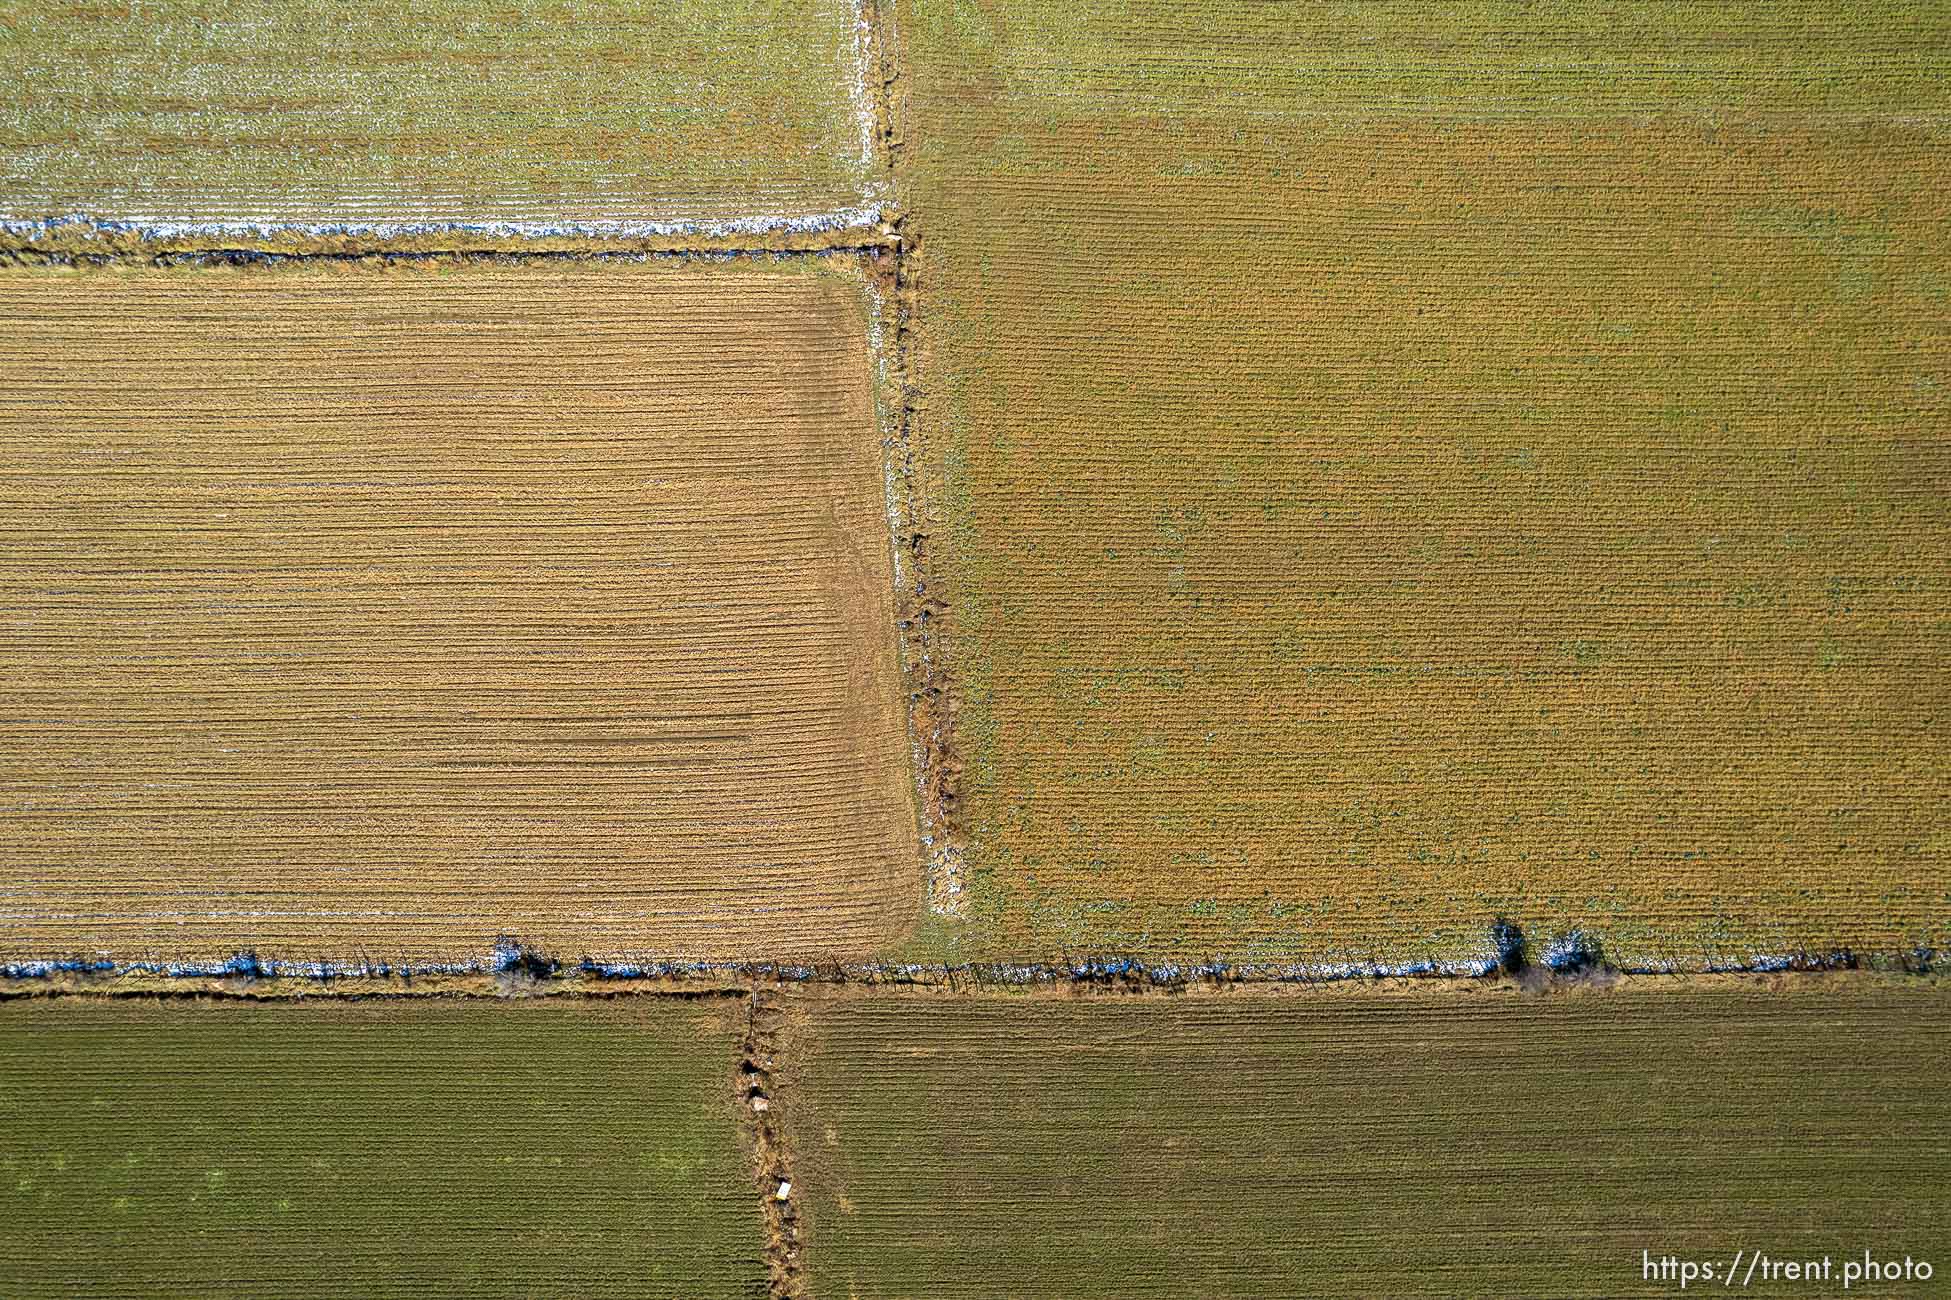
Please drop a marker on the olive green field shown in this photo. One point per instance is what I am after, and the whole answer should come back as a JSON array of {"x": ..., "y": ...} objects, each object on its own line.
[
  {"x": 417, "y": 1148},
  {"x": 1331, "y": 1143}
]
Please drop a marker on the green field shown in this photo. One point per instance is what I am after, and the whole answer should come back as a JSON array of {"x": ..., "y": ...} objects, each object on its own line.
[
  {"x": 1395, "y": 465},
  {"x": 449, "y": 1149},
  {"x": 586, "y": 111},
  {"x": 1322, "y": 1143}
]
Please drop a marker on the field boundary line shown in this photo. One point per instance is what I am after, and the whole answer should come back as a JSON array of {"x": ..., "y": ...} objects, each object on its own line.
[
  {"x": 757, "y": 1094},
  {"x": 872, "y": 245},
  {"x": 921, "y": 594},
  {"x": 83, "y": 232},
  {"x": 516, "y": 971}
]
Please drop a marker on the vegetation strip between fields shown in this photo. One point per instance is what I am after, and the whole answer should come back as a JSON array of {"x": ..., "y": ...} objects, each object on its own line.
[
  {"x": 758, "y": 1085},
  {"x": 512, "y": 968},
  {"x": 870, "y": 243},
  {"x": 920, "y": 590},
  {"x": 807, "y": 223}
]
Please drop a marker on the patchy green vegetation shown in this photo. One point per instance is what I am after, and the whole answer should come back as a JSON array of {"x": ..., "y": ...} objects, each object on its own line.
[{"x": 584, "y": 111}]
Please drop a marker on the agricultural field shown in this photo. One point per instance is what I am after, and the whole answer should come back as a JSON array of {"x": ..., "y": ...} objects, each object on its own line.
[
  {"x": 831, "y": 649},
  {"x": 304, "y": 124},
  {"x": 360, "y": 610},
  {"x": 429, "y": 1148},
  {"x": 1398, "y": 465},
  {"x": 1434, "y": 1143}
]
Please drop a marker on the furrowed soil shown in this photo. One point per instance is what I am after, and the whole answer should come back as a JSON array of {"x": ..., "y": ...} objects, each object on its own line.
[
  {"x": 679, "y": 111},
  {"x": 430, "y": 1148},
  {"x": 359, "y": 610},
  {"x": 1252, "y": 1143},
  {"x": 1399, "y": 465}
]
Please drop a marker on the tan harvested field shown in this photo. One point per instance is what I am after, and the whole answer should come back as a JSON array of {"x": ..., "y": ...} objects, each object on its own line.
[
  {"x": 405, "y": 1149},
  {"x": 261, "y": 121},
  {"x": 1398, "y": 465},
  {"x": 1442, "y": 1143},
  {"x": 352, "y": 610}
]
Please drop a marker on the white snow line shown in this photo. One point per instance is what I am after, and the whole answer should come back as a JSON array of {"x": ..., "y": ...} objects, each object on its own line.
[
  {"x": 866, "y": 70},
  {"x": 152, "y": 227}
]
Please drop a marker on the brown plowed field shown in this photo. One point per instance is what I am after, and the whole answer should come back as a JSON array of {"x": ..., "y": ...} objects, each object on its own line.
[
  {"x": 1402, "y": 464},
  {"x": 350, "y": 609}
]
